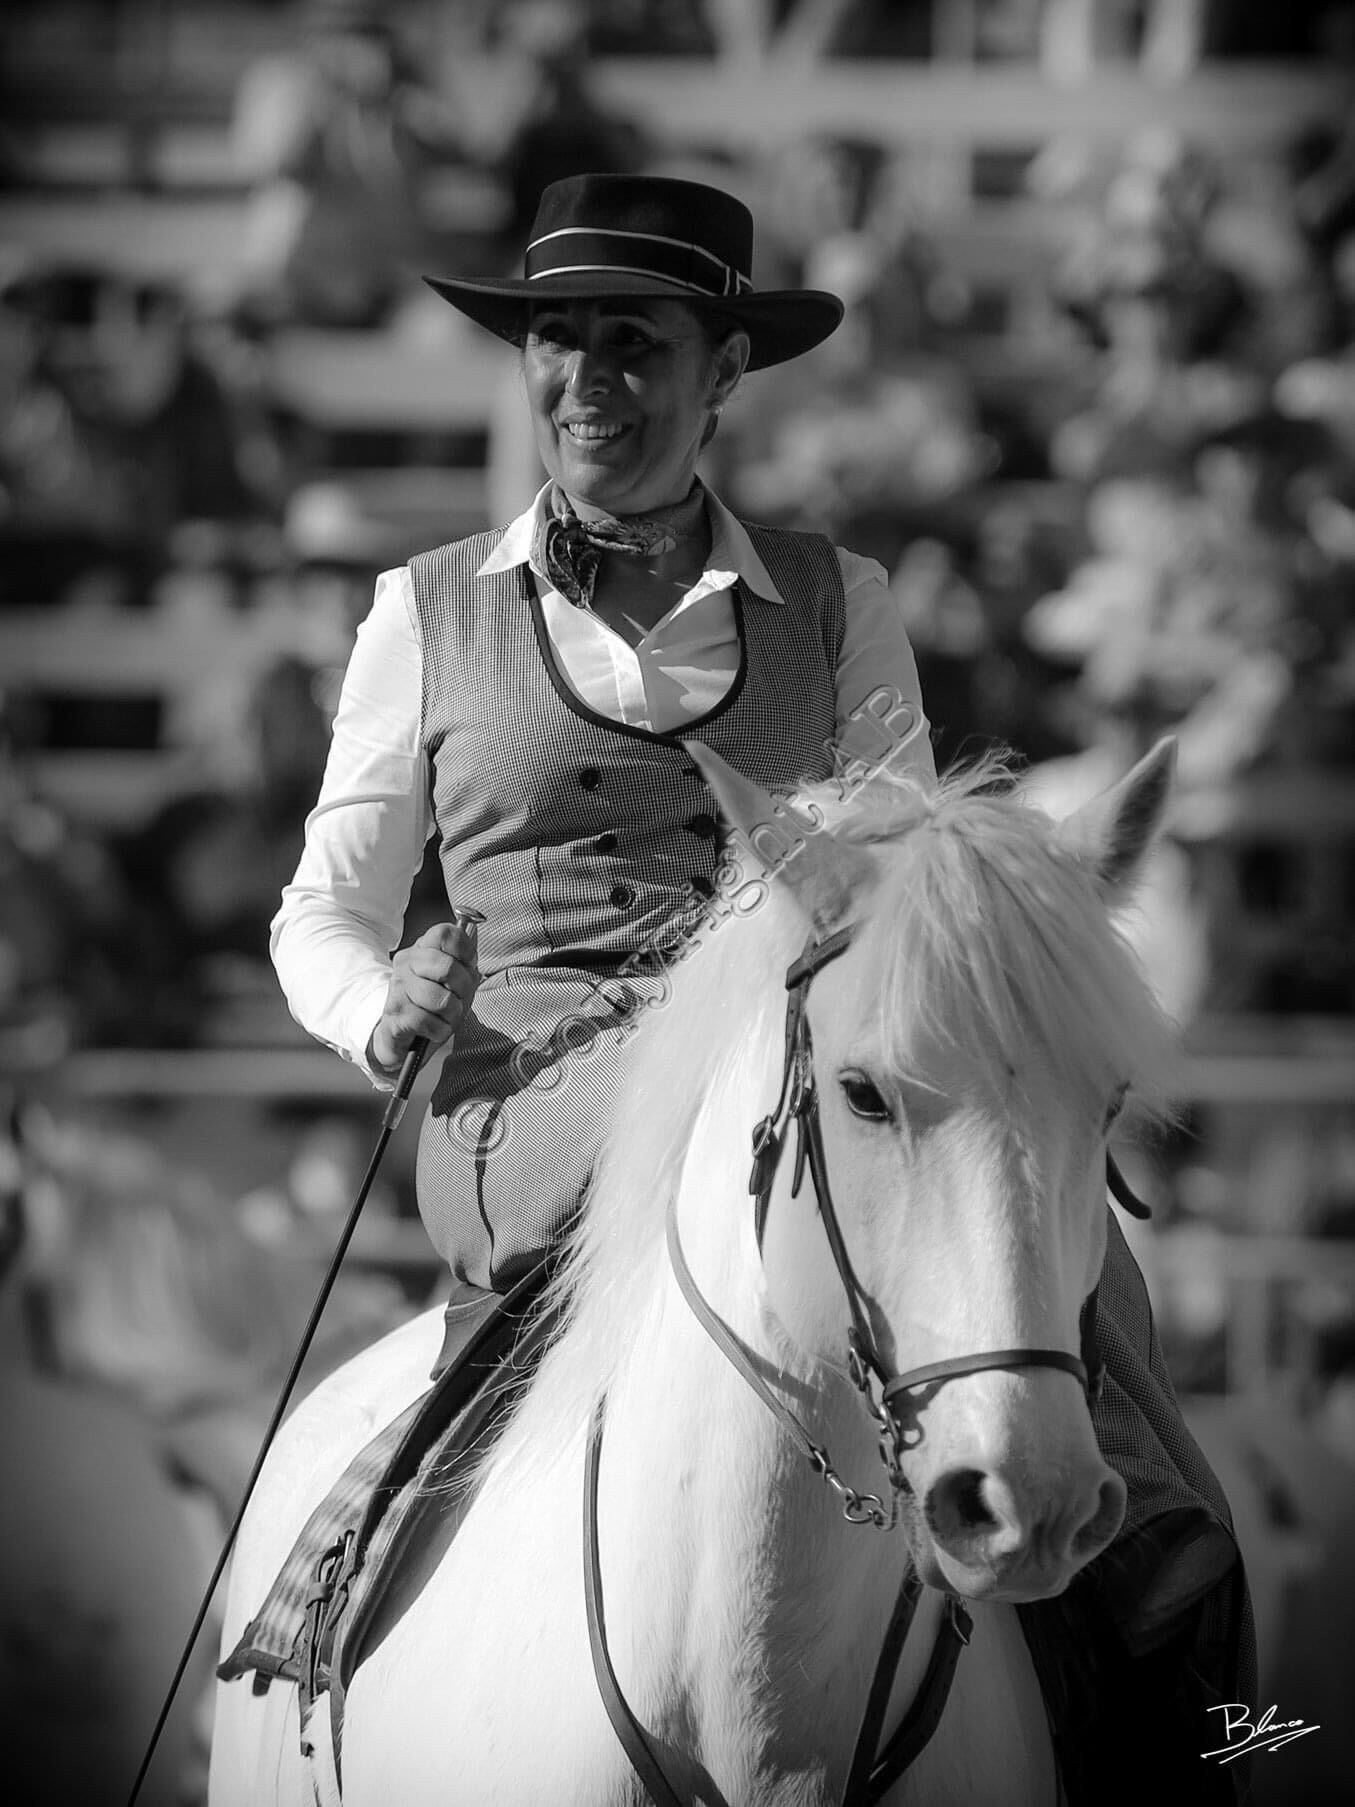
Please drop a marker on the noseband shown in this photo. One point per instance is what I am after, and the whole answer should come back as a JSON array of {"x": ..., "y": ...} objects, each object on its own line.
[{"x": 895, "y": 1409}]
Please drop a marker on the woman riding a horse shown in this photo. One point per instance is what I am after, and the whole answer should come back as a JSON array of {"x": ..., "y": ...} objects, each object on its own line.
[{"x": 545, "y": 699}]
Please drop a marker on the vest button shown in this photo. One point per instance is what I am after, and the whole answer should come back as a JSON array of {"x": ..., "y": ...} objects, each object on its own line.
[
  {"x": 623, "y": 896},
  {"x": 691, "y": 771},
  {"x": 703, "y": 825},
  {"x": 590, "y": 777},
  {"x": 605, "y": 843}
]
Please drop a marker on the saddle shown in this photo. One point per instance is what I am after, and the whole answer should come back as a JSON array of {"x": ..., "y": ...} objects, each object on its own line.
[{"x": 310, "y": 1628}]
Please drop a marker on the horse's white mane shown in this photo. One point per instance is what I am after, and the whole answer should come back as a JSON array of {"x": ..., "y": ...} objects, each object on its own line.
[{"x": 981, "y": 926}]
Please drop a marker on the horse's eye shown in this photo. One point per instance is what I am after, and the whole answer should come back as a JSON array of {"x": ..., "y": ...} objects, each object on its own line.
[
  {"x": 863, "y": 1098},
  {"x": 1114, "y": 1108}
]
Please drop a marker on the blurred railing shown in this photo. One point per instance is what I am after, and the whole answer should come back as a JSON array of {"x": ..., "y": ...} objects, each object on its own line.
[
  {"x": 1283, "y": 1080},
  {"x": 690, "y": 101}
]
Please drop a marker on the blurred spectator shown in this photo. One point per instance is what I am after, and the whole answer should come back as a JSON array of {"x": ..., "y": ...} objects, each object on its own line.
[
  {"x": 1319, "y": 383},
  {"x": 884, "y": 439},
  {"x": 1201, "y": 609},
  {"x": 818, "y": 188},
  {"x": 873, "y": 436},
  {"x": 40, "y": 928},
  {"x": 563, "y": 129},
  {"x": 79, "y": 964},
  {"x": 1217, "y": 494},
  {"x": 144, "y": 1329},
  {"x": 1209, "y": 611},
  {"x": 206, "y": 871},
  {"x": 1168, "y": 316},
  {"x": 116, "y": 427},
  {"x": 338, "y": 140},
  {"x": 1320, "y": 162},
  {"x": 145, "y": 1279},
  {"x": 1212, "y": 599},
  {"x": 101, "y": 1570}
]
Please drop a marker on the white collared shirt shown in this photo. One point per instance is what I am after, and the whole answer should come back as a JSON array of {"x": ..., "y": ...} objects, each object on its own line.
[{"x": 343, "y": 912}]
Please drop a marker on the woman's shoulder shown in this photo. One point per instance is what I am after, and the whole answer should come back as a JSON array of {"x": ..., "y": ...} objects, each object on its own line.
[
  {"x": 796, "y": 546},
  {"x": 779, "y": 532},
  {"x": 457, "y": 560},
  {"x": 787, "y": 542},
  {"x": 469, "y": 545}
]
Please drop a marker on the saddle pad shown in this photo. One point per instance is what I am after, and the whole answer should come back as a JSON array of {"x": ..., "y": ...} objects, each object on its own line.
[
  {"x": 348, "y": 1535},
  {"x": 273, "y": 1642}
]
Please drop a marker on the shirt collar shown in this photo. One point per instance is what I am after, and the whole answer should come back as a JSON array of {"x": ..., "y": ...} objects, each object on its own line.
[{"x": 732, "y": 554}]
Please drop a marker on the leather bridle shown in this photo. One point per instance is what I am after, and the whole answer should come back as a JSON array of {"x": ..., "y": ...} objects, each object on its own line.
[
  {"x": 896, "y": 1407},
  {"x": 891, "y": 1399}
]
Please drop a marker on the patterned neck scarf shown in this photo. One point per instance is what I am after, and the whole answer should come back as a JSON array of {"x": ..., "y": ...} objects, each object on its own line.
[{"x": 568, "y": 550}]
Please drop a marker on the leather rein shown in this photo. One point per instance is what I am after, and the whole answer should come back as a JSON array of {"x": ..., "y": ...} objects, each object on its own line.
[{"x": 889, "y": 1399}]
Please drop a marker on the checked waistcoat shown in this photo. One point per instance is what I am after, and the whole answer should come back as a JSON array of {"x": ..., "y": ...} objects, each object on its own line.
[
  {"x": 586, "y": 845},
  {"x": 571, "y": 831}
]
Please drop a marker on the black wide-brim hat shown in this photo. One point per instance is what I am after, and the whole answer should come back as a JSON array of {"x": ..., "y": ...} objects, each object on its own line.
[{"x": 619, "y": 238}]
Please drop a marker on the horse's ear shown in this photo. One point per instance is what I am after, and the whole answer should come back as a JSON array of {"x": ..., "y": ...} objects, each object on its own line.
[
  {"x": 786, "y": 842},
  {"x": 1113, "y": 833}
]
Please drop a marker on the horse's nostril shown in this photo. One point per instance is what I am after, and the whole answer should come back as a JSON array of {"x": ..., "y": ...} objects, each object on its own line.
[
  {"x": 956, "y": 1504},
  {"x": 981, "y": 1517},
  {"x": 1097, "y": 1531}
]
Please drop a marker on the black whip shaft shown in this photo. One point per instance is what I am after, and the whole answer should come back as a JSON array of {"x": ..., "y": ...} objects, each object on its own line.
[{"x": 394, "y": 1111}]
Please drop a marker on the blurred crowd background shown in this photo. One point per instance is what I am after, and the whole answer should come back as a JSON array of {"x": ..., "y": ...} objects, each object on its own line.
[{"x": 1092, "y": 407}]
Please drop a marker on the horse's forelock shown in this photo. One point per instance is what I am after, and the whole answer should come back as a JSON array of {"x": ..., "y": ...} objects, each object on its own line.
[{"x": 989, "y": 936}]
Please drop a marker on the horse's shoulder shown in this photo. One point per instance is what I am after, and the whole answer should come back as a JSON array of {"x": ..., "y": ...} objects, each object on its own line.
[{"x": 372, "y": 1387}]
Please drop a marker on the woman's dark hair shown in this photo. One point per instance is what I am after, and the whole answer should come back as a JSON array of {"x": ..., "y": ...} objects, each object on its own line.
[{"x": 716, "y": 328}]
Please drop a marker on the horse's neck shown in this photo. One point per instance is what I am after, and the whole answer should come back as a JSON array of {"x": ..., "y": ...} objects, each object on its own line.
[
  {"x": 993, "y": 1741},
  {"x": 749, "y": 1612},
  {"x": 753, "y": 1609}
]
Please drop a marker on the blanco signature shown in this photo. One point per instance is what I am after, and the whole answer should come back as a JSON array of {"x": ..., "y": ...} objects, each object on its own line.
[{"x": 1243, "y": 1733}]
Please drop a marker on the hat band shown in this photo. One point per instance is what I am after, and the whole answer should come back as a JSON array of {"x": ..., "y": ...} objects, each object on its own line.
[{"x": 576, "y": 250}]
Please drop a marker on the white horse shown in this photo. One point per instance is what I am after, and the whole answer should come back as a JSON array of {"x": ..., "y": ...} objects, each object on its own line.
[{"x": 974, "y": 1037}]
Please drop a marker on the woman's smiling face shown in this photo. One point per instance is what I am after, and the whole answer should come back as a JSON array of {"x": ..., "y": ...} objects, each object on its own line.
[{"x": 620, "y": 396}]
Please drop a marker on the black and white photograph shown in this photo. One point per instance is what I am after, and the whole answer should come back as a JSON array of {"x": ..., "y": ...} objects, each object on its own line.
[{"x": 677, "y": 864}]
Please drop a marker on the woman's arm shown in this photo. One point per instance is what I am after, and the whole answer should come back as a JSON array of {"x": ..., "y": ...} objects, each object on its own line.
[
  {"x": 343, "y": 913},
  {"x": 879, "y": 698}
]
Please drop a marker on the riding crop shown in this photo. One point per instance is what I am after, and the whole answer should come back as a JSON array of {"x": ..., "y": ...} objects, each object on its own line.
[{"x": 390, "y": 1119}]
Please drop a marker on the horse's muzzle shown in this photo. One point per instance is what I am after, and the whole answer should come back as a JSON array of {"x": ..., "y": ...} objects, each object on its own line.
[{"x": 990, "y": 1536}]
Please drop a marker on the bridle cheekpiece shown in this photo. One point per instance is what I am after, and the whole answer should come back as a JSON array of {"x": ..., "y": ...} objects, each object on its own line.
[{"x": 891, "y": 1399}]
